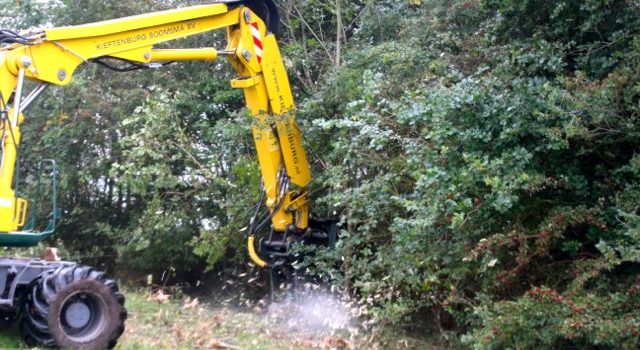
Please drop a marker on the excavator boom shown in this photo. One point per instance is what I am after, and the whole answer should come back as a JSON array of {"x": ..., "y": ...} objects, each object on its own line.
[
  {"x": 72, "y": 306},
  {"x": 51, "y": 56}
]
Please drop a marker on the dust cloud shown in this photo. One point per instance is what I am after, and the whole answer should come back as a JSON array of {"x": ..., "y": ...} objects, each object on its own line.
[{"x": 313, "y": 313}]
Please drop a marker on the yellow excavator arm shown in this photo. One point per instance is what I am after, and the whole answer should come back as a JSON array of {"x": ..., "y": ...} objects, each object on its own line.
[{"x": 51, "y": 56}]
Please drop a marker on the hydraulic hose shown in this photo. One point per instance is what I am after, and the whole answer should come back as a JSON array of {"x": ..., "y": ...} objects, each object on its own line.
[{"x": 251, "y": 247}]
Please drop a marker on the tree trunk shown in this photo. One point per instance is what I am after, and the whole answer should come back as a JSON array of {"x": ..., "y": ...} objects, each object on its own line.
[{"x": 338, "y": 33}]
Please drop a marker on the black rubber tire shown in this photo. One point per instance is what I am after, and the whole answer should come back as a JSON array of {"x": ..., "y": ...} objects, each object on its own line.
[{"x": 46, "y": 309}]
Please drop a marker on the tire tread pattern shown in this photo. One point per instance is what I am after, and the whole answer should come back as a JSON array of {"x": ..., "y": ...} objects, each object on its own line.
[{"x": 36, "y": 307}]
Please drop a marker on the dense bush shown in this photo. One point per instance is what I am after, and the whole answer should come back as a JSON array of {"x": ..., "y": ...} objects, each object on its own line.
[{"x": 484, "y": 161}]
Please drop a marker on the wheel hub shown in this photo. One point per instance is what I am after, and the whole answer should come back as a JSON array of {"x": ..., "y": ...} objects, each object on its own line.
[{"x": 78, "y": 314}]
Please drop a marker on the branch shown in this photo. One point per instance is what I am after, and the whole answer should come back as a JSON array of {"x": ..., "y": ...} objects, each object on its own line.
[{"x": 320, "y": 42}]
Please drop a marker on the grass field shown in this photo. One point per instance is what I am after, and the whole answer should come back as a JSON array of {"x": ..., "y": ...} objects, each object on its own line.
[
  {"x": 187, "y": 324},
  {"x": 317, "y": 322}
]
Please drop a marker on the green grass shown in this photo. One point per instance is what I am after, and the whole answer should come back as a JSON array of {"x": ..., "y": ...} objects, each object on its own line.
[
  {"x": 11, "y": 339},
  {"x": 176, "y": 325},
  {"x": 152, "y": 325}
]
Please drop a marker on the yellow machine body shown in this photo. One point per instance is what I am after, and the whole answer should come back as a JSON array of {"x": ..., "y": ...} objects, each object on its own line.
[{"x": 52, "y": 55}]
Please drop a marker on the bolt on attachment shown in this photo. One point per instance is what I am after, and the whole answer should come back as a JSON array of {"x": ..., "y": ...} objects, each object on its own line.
[
  {"x": 246, "y": 54},
  {"x": 62, "y": 74}
]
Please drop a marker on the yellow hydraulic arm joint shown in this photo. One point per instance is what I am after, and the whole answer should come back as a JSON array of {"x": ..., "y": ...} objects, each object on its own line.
[{"x": 51, "y": 56}]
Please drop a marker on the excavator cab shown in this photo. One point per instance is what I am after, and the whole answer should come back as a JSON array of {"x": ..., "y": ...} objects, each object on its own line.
[
  {"x": 18, "y": 226},
  {"x": 41, "y": 220}
]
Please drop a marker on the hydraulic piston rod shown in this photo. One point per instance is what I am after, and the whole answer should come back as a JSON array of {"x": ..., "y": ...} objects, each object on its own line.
[{"x": 202, "y": 54}]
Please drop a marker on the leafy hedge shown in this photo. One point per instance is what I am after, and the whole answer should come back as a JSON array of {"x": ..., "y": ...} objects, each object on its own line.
[{"x": 485, "y": 170}]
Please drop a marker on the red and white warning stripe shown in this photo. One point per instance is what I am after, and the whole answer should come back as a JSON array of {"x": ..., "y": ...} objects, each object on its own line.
[{"x": 257, "y": 40}]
